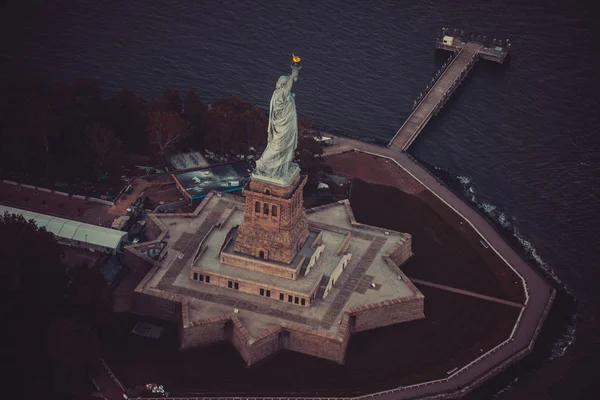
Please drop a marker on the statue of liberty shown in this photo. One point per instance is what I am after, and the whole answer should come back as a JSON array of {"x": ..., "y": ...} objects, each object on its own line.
[{"x": 276, "y": 161}]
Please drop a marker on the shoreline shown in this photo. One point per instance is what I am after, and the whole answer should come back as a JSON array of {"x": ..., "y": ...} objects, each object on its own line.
[
  {"x": 347, "y": 146},
  {"x": 503, "y": 248},
  {"x": 560, "y": 323}
]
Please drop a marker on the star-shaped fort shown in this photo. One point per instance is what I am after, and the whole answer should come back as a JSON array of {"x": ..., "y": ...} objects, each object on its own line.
[{"x": 266, "y": 274}]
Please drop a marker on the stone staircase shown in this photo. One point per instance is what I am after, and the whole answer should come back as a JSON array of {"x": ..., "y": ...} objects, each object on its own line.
[{"x": 188, "y": 244}]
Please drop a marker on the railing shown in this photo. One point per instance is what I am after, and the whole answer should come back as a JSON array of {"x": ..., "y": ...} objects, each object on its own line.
[
  {"x": 434, "y": 80},
  {"x": 411, "y": 139},
  {"x": 111, "y": 374}
]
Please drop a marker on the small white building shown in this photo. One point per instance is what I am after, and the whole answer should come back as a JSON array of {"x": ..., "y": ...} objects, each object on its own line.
[
  {"x": 448, "y": 40},
  {"x": 192, "y": 159},
  {"x": 324, "y": 140},
  {"x": 74, "y": 233}
]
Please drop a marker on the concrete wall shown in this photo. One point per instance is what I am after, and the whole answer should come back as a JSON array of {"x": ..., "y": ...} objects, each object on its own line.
[
  {"x": 254, "y": 350},
  {"x": 157, "y": 307},
  {"x": 198, "y": 333},
  {"x": 303, "y": 341},
  {"x": 170, "y": 206},
  {"x": 86, "y": 246},
  {"x": 387, "y": 313},
  {"x": 203, "y": 334},
  {"x": 253, "y": 288},
  {"x": 295, "y": 338},
  {"x": 155, "y": 303},
  {"x": 259, "y": 266},
  {"x": 136, "y": 261},
  {"x": 154, "y": 228},
  {"x": 337, "y": 271},
  {"x": 263, "y": 348},
  {"x": 402, "y": 251}
]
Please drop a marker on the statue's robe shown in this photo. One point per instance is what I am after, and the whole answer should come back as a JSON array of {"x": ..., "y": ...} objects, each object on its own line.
[{"x": 277, "y": 158}]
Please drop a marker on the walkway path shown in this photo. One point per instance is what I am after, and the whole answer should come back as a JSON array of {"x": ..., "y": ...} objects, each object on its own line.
[
  {"x": 436, "y": 96},
  {"x": 109, "y": 386},
  {"x": 539, "y": 291},
  {"x": 466, "y": 293}
]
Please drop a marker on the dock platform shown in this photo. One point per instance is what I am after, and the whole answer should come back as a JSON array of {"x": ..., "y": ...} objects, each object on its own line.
[{"x": 467, "y": 54}]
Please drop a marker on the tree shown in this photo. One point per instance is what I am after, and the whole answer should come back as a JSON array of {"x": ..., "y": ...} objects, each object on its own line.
[
  {"x": 234, "y": 125},
  {"x": 71, "y": 347},
  {"x": 89, "y": 298},
  {"x": 22, "y": 273},
  {"x": 104, "y": 148},
  {"x": 306, "y": 126},
  {"x": 221, "y": 131},
  {"x": 172, "y": 101},
  {"x": 165, "y": 130},
  {"x": 309, "y": 151},
  {"x": 33, "y": 283},
  {"x": 127, "y": 115},
  {"x": 50, "y": 327},
  {"x": 24, "y": 124},
  {"x": 196, "y": 113},
  {"x": 308, "y": 155}
]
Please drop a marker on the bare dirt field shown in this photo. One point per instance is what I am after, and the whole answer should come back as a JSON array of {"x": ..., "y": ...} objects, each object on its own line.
[
  {"x": 373, "y": 170},
  {"x": 446, "y": 250}
]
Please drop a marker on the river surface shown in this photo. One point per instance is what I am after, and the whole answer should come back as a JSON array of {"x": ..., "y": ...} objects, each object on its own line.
[{"x": 521, "y": 141}]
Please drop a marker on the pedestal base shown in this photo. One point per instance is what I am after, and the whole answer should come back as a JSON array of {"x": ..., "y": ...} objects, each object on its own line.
[
  {"x": 274, "y": 226},
  {"x": 280, "y": 181}
]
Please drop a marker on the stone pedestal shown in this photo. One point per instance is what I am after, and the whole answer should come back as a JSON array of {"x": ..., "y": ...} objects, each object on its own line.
[{"x": 274, "y": 226}]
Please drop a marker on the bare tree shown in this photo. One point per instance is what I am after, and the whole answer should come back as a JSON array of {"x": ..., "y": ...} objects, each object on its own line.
[
  {"x": 165, "y": 130},
  {"x": 103, "y": 146}
]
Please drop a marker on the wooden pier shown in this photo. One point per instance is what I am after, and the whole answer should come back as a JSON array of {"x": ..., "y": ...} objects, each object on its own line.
[{"x": 467, "y": 53}]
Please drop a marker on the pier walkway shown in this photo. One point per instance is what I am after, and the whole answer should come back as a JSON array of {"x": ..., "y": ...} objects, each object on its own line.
[
  {"x": 467, "y": 54},
  {"x": 435, "y": 99}
]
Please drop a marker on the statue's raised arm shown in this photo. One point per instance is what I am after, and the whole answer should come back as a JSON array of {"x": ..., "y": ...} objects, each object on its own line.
[{"x": 276, "y": 162}]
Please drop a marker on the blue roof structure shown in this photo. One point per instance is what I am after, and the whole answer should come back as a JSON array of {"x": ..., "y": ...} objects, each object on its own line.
[{"x": 226, "y": 177}]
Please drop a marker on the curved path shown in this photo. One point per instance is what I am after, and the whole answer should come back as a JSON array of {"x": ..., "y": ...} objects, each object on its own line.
[
  {"x": 539, "y": 292},
  {"x": 109, "y": 385}
]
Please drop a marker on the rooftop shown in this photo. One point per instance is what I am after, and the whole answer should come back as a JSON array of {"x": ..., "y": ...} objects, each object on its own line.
[
  {"x": 192, "y": 159},
  {"x": 199, "y": 182},
  {"x": 71, "y": 230},
  {"x": 56, "y": 203}
]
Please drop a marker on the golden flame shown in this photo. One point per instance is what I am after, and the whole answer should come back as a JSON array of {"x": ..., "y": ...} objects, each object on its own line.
[{"x": 295, "y": 58}]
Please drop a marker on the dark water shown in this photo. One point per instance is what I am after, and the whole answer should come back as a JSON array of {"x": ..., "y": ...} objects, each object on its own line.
[{"x": 523, "y": 140}]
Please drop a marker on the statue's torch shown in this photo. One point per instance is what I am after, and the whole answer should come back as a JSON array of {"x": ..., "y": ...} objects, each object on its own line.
[{"x": 295, "y": 66}]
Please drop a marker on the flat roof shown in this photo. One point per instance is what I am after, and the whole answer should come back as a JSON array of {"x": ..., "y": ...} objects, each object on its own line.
[
  {"x": 55, "y": 203},
  {"x": 69, "y": 229},
  {"x": 222, "y": 177}
]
